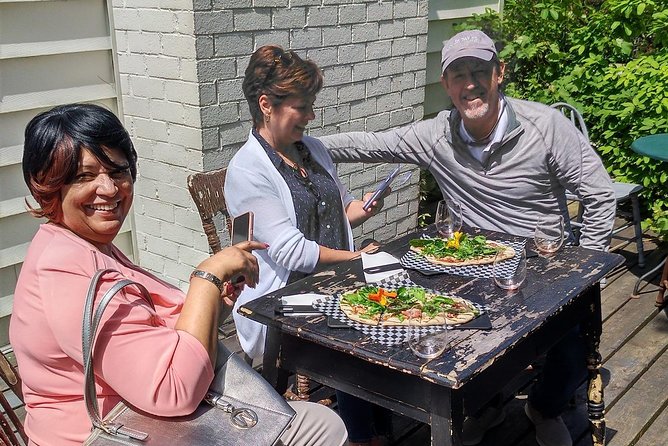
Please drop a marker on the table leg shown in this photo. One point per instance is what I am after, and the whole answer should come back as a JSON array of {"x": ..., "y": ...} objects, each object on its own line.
[
  {"x": 271, "y": 370},
  {"x": 663, "y": 284},
  {"x": 595, "y": 403},
  {"x": 446, "y": 418}
]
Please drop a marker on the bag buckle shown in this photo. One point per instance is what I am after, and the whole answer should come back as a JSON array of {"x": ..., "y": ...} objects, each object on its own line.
[
  {"x": 242, "y": 418},
  {"x": 120, "y": 429}
]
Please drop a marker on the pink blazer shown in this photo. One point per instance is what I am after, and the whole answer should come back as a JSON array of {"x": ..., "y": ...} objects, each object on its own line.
[{"x": 139, "y": 355}]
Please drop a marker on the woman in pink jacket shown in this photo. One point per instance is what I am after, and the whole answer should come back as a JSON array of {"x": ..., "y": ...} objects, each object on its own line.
[{"x": 80, "y": 165}]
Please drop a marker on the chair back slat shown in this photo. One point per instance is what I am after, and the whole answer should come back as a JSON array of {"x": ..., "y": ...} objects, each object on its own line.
[
  {"x": 5, "y": 440},
  {"x": 206, "y": 189},
  {"x": 573, "y": 115},
  {"x": 10, "y": 423}
]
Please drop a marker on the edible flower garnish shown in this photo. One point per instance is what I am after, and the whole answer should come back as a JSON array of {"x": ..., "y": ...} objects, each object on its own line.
[
  {"x": 382, "y": 295},
  {"x": 453, "y": 242}
]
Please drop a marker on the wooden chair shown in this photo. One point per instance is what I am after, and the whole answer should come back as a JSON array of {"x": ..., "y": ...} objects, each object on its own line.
[
  {"x": 623, "y": 192},
  {"x": 10, "y": 423},
  {"x": 206, "y": 189}
]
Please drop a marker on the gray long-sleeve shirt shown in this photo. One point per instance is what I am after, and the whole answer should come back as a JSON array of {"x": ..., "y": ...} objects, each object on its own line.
[{"x": 542, "y": 154}]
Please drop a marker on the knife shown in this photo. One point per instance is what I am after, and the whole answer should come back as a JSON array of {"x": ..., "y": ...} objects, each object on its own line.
[
  {"x": 292, "y": 309},
  {"x": 382, "y": 268}
]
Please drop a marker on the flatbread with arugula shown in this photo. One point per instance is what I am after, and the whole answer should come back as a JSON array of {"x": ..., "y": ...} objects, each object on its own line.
[
  {"x": 461, "y": 250},
  {"x": 374, "y": 305}
]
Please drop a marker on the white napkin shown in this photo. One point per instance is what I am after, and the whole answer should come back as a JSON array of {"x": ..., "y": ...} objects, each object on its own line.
[
  {"x": 302, "y": 299},
  {"x": 379, "y": 259}
]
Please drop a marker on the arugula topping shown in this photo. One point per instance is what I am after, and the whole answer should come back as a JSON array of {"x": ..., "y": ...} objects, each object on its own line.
[
  {"x": 459, "y": 246},
  {"x": 376, "y": 300}
]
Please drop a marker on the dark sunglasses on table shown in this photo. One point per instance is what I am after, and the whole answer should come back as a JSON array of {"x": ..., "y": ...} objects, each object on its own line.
[{"x": 280, "y": 57}]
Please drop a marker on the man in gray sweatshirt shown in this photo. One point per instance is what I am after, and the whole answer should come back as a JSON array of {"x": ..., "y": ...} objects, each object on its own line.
[{"x": 507, "y": 162}]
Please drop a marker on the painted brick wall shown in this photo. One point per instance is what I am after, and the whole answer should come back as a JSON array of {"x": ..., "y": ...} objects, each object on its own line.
[
  {"x": 181, "y": 64},
  {"x": 373, "y": 57},
  {"x": 157, "y": 64}
]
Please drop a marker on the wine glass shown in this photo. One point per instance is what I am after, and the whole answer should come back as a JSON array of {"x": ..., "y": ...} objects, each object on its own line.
[
  {"x": 448, "y": 218},
  {"x": 506, "y": 274},
  {"x": 423, "y": 344},
  {"x": 549, "y": 234}
]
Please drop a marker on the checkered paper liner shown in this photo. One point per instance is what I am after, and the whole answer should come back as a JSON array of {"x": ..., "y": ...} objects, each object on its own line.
[
  {"x": 413, "y": 260},
  {"x": 381, "y": 334}
]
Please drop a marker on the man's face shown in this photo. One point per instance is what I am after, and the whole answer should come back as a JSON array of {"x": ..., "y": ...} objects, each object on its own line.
[{"x": 473, "y": 86}]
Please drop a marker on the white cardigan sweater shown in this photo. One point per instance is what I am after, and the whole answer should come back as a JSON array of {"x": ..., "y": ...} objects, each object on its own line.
[{"x": 254, "y": 184}]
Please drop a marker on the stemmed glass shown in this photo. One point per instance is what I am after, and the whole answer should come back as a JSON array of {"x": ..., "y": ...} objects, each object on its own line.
[
  {"x": 549, "y": 234},
  {"x": 448, "y": 218},
  {"x": 425, "y": 345},
  {"x": 506, "y": 274}
]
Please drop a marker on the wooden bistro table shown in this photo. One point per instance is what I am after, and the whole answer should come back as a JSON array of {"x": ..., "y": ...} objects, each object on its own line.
[{"x": 560, "y": 292}]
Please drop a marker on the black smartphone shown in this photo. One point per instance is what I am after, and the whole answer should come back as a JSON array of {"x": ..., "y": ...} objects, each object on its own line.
[
  {"x": 333, "y": 322},
  {"x": 242, "y": 228}
]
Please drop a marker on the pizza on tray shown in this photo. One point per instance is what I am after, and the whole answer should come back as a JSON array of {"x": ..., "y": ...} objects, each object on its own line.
[
  {"x": 374, "y": 305},
  {"x": 461, "y": 250}
]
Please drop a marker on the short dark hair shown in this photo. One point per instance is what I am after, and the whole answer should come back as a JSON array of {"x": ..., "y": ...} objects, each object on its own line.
[
  {"x": 52, "y": 149},
  {"x": 278, "y": 74}
]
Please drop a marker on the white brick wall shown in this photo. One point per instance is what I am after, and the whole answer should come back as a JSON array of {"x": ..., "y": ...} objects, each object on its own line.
[
  {"x": 161, "y": 104},
  {"x": 181, "y": 64},
  {"x": 373, "y": 59}
]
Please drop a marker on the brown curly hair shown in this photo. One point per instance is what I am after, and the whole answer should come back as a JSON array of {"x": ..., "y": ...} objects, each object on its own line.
[{"x": 278, "y": 74}]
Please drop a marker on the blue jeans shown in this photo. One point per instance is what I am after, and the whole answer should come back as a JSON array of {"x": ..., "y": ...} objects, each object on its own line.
[
  {"x": 363, "y": 419},
  {"x": 565, "y": 368}
]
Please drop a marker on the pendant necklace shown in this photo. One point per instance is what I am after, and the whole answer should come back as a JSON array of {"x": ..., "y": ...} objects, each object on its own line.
[{"x": 295, "y": 166}]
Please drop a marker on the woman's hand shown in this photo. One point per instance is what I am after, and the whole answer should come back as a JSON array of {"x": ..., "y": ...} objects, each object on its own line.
[
  {"x": 357, "y": 214},
  {"x": 236, "y": 267},
  {"x": 235, "y": 261},
  {"x": 376, "y": 205},
  {"x": 370, "y": 247},
  {"x": 202, "y": 309}
]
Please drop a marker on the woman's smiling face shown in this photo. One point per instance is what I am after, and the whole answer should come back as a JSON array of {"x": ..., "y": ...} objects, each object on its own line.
[
  {"x": 97, "y": 201},
  {"x": 289, "y": 120}
]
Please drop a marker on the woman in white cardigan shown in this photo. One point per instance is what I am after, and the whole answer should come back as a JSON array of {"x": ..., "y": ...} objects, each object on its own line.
[{"x": 288, "y": 180}]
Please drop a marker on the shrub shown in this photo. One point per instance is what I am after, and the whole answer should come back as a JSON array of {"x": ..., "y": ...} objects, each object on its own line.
[{"x": 608, "y": 58}]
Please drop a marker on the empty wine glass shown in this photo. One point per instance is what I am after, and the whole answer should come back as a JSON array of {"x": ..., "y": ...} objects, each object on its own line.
[
  {"x": 549, "y": 234},
  {"x": 448, "y": 218},
  {"x": 423, "y": 344},
  {"x": 509, "y": 274}
]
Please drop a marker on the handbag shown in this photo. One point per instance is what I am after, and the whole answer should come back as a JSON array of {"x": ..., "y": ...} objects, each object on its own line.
[{"x": 240, "y": 408}]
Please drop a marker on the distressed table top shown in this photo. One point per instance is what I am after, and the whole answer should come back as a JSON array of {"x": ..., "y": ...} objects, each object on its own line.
[{"x": 552, "y": 287}]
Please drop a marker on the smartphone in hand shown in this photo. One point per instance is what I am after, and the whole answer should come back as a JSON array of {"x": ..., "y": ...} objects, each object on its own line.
[
  {"x": 382, "y": 187},
  {"x": 242, "y": 228}
]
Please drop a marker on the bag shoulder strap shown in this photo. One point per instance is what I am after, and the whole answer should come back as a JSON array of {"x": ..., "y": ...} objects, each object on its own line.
[{"x": 89, "y": 329}]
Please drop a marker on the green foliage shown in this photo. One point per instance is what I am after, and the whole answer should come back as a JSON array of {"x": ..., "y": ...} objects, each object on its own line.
[
  {"x": 609, "y": 58},
  {"x": 430, "y": 194}
]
